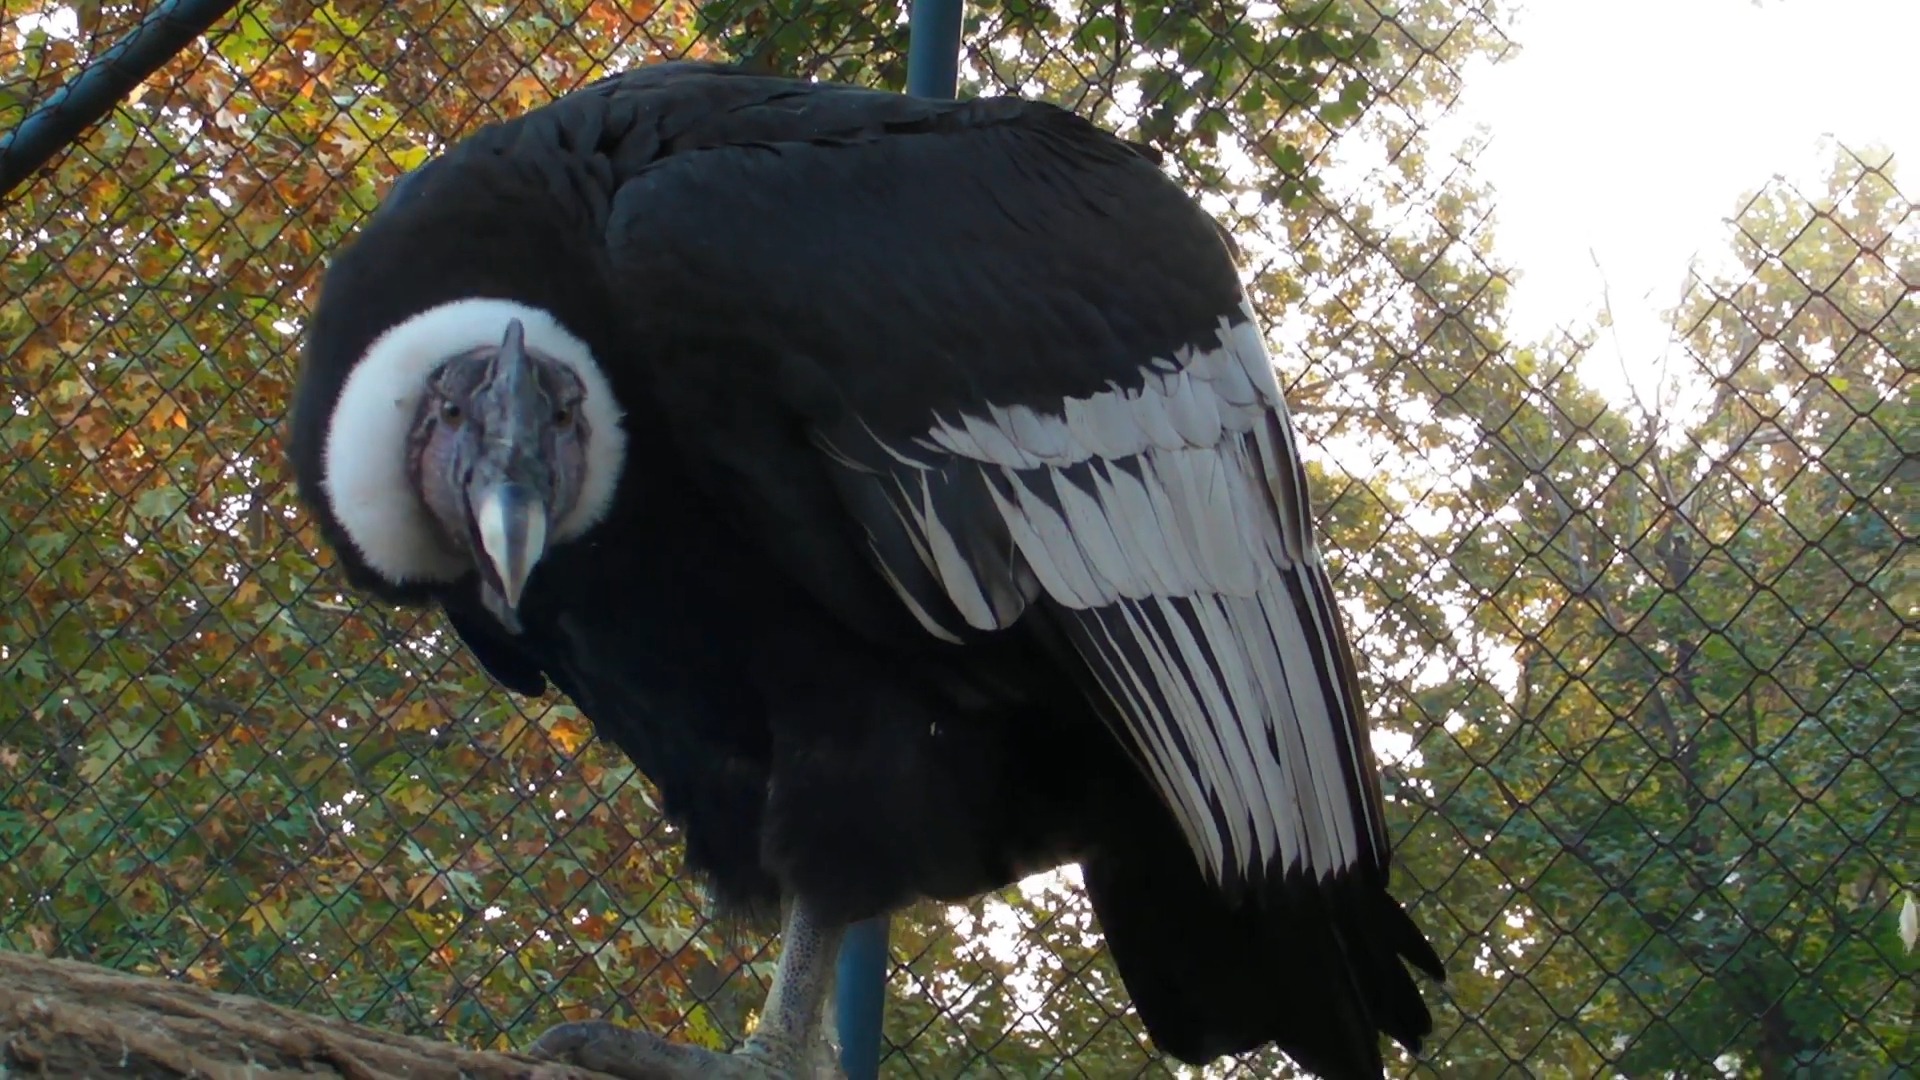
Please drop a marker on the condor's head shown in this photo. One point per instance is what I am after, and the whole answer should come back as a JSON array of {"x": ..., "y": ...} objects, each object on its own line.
[{"x": 464, "y": 442}]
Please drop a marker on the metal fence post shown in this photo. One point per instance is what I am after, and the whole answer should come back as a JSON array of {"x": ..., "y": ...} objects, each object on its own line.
[
  {"x": 933, "y": 70},
  {"x": 90, "y": 95},
  {"x": 933, "y": 48}
]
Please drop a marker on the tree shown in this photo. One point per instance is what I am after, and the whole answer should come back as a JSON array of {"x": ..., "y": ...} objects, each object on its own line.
[
  {"x": 1679, "y": 818},
  {"x": 213, "y": 762},
  {"x": 218, "y": 765},
  {"x": 1636, "y": 667}
]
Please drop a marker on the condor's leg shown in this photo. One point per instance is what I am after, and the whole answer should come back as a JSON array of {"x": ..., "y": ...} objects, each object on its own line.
[{"x": 787, "y": 1044}]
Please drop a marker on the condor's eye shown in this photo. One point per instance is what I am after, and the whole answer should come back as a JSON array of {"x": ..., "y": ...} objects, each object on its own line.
[
  {"x": 450, "y": 411},
  {"x": 563, "y": 417}
]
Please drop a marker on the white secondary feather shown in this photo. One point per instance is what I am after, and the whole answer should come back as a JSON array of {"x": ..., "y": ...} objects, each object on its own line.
[
  {"x": 1172, "y": 519},
  {"x": 365, "y": 474}
]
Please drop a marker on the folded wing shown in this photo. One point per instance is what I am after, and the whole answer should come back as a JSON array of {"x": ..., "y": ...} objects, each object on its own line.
[{"x": 1167, "y": 527}]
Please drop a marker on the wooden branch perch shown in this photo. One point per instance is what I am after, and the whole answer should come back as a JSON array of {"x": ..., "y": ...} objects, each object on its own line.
[{"x": 59, "y": 1018}]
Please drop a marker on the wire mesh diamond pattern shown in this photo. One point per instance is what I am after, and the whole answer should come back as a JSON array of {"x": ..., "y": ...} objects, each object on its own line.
[{"x": 1638, "y": 649}]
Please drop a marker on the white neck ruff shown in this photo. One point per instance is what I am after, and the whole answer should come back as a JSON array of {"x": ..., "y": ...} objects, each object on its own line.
[{"x": 364, "y": 473}]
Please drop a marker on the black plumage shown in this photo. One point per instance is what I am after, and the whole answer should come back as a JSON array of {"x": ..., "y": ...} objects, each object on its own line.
[{"x": 869, "y": 653}]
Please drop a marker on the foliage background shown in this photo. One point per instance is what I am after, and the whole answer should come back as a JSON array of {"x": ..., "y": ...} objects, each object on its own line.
[{"x": 1639, "y": 667}]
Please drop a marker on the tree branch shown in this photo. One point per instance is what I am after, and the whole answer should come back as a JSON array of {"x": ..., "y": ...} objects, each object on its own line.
[{"x": 62, "y": 1018}]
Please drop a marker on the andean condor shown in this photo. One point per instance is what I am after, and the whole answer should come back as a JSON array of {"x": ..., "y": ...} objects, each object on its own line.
[{"x": 905, "y": 486}]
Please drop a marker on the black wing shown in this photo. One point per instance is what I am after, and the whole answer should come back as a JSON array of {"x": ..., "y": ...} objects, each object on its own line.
[{"x": 1026, "y": 363}]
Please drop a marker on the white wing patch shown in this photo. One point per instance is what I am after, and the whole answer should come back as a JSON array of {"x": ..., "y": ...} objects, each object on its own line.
[{"x": 1171, "y": 522}]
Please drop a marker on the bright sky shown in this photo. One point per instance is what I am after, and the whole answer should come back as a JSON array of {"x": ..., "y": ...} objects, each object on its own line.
[{"x": 1624, "y": 131}]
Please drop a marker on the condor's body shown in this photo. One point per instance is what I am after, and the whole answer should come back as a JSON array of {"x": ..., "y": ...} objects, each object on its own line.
[{"x": 937, "y": 521}]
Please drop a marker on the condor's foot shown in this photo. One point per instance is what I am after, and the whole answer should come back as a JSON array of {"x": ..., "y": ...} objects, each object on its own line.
[
  {"x": 789, "y": 1044},
  {"x": 638, "y": 1055}
]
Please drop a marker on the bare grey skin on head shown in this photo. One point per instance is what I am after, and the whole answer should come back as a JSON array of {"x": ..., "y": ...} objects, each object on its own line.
[{"x": 497, "y": 453}]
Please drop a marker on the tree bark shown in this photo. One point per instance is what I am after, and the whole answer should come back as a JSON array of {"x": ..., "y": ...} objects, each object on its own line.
[{"x": 59, "y": 1018}]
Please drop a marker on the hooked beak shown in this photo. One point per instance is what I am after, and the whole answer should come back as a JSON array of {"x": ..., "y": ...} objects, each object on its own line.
[
  {"x": 508, "y": 490},
  {"x": 512, "y": 522}
]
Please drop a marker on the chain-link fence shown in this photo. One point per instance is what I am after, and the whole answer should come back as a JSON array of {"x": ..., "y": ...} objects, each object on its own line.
[{"x": 1638, "y": 658}]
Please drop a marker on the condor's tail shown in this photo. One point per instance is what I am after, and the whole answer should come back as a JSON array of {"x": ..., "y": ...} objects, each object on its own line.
[{"x": 1320, "y": 972}]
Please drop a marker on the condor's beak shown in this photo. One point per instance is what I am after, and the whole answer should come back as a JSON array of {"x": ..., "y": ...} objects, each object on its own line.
[
  {"x": 512, "y": 522},
  {"x": 510, "y": 486}
]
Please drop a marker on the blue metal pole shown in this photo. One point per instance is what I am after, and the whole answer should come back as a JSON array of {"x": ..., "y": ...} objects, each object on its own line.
[
  {"x": 933, "y": 70},
  {"x": 861, "y": 988},
  {"x": 933, "y": 48},
  {"x": 90, "y": 95}
]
